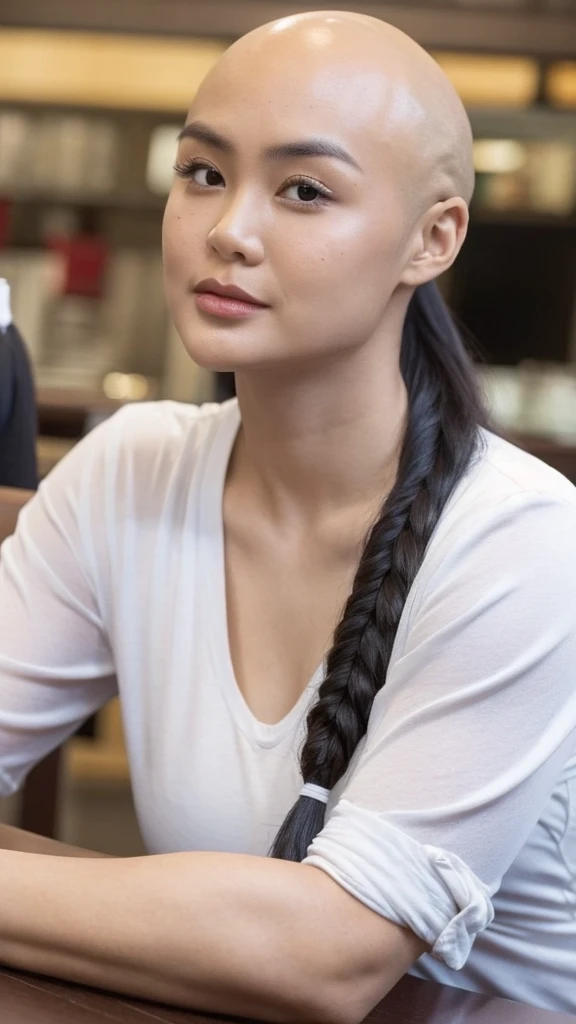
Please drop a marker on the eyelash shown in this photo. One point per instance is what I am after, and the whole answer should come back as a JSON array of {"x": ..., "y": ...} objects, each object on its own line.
[{"x": 187, "y": 168}]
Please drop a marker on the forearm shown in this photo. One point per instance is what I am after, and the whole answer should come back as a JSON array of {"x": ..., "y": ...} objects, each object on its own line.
[
  {"x": 220, "y": 933},
  {"x": 28, "y": 842}
]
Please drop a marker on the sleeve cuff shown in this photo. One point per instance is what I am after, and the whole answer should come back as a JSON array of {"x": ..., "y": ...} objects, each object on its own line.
[{"x": 429, "y": 890}]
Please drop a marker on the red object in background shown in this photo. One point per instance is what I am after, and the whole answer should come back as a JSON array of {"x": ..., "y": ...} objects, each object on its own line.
[
  {"x": 86, "y": 259},
  {"x": 5, "y": 207}
]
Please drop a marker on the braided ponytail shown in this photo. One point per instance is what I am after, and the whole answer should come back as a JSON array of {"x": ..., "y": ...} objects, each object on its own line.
[{"x": 445, "y": 411}]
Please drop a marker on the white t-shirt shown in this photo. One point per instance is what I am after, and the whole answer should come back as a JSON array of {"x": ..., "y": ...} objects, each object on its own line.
[{"x": 457, "y": 815}]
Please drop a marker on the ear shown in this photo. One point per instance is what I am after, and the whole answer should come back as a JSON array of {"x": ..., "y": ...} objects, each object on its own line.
[{"x": 437, "y": 241}]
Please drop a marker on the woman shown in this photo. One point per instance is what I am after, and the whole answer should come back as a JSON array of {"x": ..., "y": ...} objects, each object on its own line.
[{"x": 339, "y": 612}]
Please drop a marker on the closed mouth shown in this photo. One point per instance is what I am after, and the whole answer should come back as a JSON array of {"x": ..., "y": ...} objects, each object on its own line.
[{"x": 227, "y": 291}]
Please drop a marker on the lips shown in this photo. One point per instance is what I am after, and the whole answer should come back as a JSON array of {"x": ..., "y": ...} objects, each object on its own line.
[{"x": 227, "y": 291}]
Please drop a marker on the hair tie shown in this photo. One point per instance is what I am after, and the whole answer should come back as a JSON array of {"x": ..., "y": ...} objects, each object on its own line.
[{"x": 315, "y": 792}]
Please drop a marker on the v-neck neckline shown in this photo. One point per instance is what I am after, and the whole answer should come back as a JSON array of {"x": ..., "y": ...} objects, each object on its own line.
[{"x": 213, "y": 556}]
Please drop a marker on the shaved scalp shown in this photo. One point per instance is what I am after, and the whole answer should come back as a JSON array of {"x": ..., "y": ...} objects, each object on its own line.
[{"x": 395, "y": 90}]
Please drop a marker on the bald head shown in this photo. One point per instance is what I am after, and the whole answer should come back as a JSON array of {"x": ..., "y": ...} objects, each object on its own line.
[
  {"x": 384, "y": 83},
  {"x": 325, "y": 168}
]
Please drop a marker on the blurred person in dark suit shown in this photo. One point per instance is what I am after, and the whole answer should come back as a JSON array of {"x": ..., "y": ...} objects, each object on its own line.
[{"x": 18, "y": 421}]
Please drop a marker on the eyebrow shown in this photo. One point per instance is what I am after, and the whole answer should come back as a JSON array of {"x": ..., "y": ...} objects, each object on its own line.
[{"x": 304, "y": 147}]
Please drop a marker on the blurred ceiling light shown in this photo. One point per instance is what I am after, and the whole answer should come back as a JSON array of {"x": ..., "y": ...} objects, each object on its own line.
[
  {"x": 103, "y": 70},
  {"x": 488, "y": 81},
  {"x": 561, "y": 84},
  {"x": 499, "y": 156},
  {"x": 131, "y": 387},
  {"x": 161, "y": 158}
]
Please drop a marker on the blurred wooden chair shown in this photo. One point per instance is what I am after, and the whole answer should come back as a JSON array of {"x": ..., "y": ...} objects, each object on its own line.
[{"x": 39, "y": 803}]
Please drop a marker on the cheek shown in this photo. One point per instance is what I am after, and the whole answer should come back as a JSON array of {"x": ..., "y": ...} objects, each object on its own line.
[
  {"x": 339, "y": 279},
  {"x": 182, "y": 242},
  {"x": 178, "y": 250},
  {"x": 342, "y": 258},
  {"x": 173, "y": 237}
]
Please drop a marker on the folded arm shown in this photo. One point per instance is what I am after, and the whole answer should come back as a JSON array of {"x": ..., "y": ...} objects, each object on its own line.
[{"x": 220, "y": 933}]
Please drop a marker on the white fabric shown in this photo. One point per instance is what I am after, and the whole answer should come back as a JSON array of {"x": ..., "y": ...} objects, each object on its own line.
[
  {"x": 5, "y": 308},
  {"x": 457, "y": 816},
  {"x": 353, "y": 848}
]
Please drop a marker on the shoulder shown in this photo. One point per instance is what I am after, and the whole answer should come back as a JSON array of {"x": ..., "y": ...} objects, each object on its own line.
[
  {"x": 511, "y": 511},
  {"x": 127, "y": 465},
  {"x": 154, "y": 436},
  {"x": 150, "y": 426},
  {"x": 508, "y": 469},
  {"x": 502, "y": 481},
  {"x": 502, "y": 555}
]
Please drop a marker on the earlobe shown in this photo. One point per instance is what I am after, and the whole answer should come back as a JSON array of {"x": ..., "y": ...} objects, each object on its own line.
[
  {"x": 422, "y": 267},
  {"x": 441, "y": 238},
  {"x": 417, "y": 272}
]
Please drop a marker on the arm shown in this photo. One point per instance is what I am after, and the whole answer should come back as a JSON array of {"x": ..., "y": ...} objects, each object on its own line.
[
  {"x": 220, "y": 933},
  {"x": 56, "y": 665},
  {"x": 471, "y": 733}
]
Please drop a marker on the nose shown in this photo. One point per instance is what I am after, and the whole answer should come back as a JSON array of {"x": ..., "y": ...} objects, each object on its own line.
[{"x": 235, "y": 236}]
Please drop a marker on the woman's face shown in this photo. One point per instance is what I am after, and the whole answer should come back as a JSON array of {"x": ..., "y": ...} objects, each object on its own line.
[{"x": 319, "y": 238}]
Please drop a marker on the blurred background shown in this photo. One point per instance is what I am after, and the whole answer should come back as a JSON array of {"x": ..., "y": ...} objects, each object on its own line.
[{"x": 92, "y": 97}]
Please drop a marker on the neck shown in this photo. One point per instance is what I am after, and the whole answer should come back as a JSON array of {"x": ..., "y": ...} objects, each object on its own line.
[{"x": 319, "y": 443}]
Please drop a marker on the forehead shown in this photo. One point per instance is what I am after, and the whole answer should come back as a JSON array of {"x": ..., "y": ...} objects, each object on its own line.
[{"x": 272, "y": 95}]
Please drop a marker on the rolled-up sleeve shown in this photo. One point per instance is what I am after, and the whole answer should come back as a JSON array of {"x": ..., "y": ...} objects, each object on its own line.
[{"x": 471, "y": 731}]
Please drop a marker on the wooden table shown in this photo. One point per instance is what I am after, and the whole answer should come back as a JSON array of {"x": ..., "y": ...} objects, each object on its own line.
[{"x": 31, "y": 999}]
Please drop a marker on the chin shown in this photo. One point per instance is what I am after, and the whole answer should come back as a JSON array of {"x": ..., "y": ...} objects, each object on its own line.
[
  {"x": 220, "y": 347},
  {"x": 225, "y": 357}
]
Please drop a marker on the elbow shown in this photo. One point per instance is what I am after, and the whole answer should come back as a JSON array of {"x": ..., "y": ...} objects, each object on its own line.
[
  {"x": 342, "y": 1011},
  {"x": 336, "y": 1002},
  {"x": 347, "y": 994},
  {"x": 319, "y": 997}
]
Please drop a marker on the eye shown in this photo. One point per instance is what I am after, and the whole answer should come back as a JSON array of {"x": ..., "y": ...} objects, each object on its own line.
[
  {"x": 201, "y": 173},
  {"x": 307, "y": 192}
]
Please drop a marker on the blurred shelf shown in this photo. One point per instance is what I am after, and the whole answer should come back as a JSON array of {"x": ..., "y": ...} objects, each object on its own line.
[
  {"x": 538, "y": 443},
  {"x": 112, "y": 200},
  {"x": 64, "y": 412},
  {"x": 516, "y": 26},
  {"x": 522, "y": 218},
  {"x": 89, "y": 766},
  {"x": 102, "y": 759},
  {"x": 88, "y": 399},
  {"x": 49, "y": 451}
]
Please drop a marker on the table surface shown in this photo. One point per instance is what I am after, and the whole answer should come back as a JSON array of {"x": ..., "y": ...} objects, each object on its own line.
[{"x": 31, "y": 999}]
